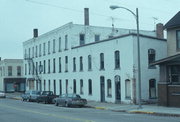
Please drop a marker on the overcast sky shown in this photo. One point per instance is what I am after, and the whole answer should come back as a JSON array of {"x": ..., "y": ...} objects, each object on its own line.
[{"x": 19, "y": 17}]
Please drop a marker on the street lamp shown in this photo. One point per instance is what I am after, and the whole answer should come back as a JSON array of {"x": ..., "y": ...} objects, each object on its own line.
[{"x": 138, "y": 48}]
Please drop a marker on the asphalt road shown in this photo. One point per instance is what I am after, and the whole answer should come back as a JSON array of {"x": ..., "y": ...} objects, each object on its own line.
[{"x": 18, "y": 111}]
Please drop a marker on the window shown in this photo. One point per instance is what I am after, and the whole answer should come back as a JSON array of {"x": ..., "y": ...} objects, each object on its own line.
[
  {"x": 44, "y": 85},
  {"x": 36, "y": 50},
  {"x": 81, "y": 86},
  {"x": 48, "y": 47},
  {"x": 39, "y": 50},
  {"x": 32, "y": 52},
  {"x": 117, "y": 59},
  {"x": 152, "y": 88},
  {"x": 59, "y": 64},
  {"x": 54, "y": 65},
  {"x": 90, "y": 86},
  {"x": 151, "y": 57},
  {"x": 59, "y": 44},
  {"x": 25, "y": 53},
  {"x": 97, "y": 38},
  {"x": 175, "y": 74},
  {"x": 89, "y": 62},
  {"x": 29, "y": 66},
  {"x": 109, "y": 88},
  {"x": 18, "y": 70},
  {"x": 66, "y": 86},
  {"x": 49, "y": 66},
  {"x": 60, "y": 87},
  {"x": 74, "y": 64},
  {"x": 54, "y": 45},
  {"x": 40, "y": 67},
  {"x": 81, "y": 39},
  {"x": 127, "y": 89},
  {"x": 44, "y": 66},
  {"x": 66, "y": 42},
  {"x": 25, "y": 69},
  {"x": 29, "y": 53},
  {"x": 9, "y": 70},
  {"x": 101, "y": 61},
  {"x": 74, "y": 86},
  {"x": 178, "y": 40},
  {"x": 36, "y": 67},
  {"x": 49, "y": 85},
  {"x": 81, "y": 63},
  {"x": 66, "y": 63},
  {"x": 55, "y": 87},
  {"x": 44, "y": 49}
]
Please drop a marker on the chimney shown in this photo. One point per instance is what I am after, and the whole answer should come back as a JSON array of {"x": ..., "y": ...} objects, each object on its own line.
[
  {"x": 159, "y": 30},
  {"x": 86, "y": 16},
  {"x": 35, "y": 33}
]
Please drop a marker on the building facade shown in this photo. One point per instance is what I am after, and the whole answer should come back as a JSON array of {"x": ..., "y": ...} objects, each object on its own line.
[
  {"x": 11, "y": 75},
  {"x": 99, "y": 63},
  {"x": 169, "y": 84}
]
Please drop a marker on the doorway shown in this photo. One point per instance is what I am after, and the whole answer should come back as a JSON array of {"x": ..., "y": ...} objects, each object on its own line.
[
  {"x": 117, "y": 89},
  {"x": 102, "y": 89}
]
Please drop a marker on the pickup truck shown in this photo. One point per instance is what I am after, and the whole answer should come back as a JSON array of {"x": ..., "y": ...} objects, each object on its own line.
[{"x": 46, "y": 97}]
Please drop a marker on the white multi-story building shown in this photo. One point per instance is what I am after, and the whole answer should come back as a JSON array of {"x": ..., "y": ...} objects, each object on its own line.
[
  {"x": 99, "y": 63},
  {"x": 11, "y": 75}
]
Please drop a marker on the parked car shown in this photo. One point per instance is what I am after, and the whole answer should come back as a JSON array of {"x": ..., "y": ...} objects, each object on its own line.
[
  {"x": 30, "y": 95},
  {"x": 46, "y": 97},
  {"x": 70, "y": 100},
  {"x": 2, "y": 94}
]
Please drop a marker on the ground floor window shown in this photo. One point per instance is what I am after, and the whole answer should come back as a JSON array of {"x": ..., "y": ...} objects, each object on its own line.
[
  {"x": 81, "y": 86},
  {"x": 109, "y": 88},
  {"x": 128, "y": 89},
  {"x": 74, "y": 86},
  {"x": 66, "y": 86},
  {"x": 174, "y": 72},
  {"x": 90, "y": 86},
  {"x": 152, "y": 88}
]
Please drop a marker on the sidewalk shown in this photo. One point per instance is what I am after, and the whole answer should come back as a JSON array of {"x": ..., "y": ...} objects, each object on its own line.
[
  {"x": 152, "y": 109},
  {"x": 146, "y": 109}
]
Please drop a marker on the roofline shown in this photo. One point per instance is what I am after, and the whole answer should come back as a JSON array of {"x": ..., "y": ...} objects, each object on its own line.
[{"x": 122, "y": 36}]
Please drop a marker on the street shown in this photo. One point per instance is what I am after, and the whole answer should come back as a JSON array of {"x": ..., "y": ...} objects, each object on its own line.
[{"x": 18, "y": 111}]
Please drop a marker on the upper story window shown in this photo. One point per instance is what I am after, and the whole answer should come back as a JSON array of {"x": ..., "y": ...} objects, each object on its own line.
[
  {"x": 117, "y": 59},
  {"x": 151, "y": 57},
  {"x": 81, "y": 39},
  {"x": 48, "y": 47},
  {"x": 29, "y": 52},
  {"x": 59, "y": 64},
  {"x": 54, "y": 65},
  {"x": 44, "y": 48},
  {"x": 18, "y": 70},
  {"x": 178, "y": 40},
  {"x": 59, "y": 44},
  {"x": 49, "y": 65},
  {"x": 32, "y": 52},
  {"x": 74, "y": 64},
  {"x": 36, "y": 51},
  {"x": 54, "y": 45},
  {"x": 97, "y": 38},
  {"x": 66, "y": 42},
  {"x": 9, "y": 70},
  {"x": 66, "y": 63},
  {"x": 89, "y": 62},
  {"x": 25, "y": 72},
  {"x": 81, "y": 63},
  {"x": 39, "y": 50},
  {"x": 102, "y": 61}
]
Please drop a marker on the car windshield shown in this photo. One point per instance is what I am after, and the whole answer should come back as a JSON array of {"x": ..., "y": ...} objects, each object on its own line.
[
  {"x": 73, "y": 96},
  {"x": 35, "y": 92},
  {"x": 47, "y": 93}
]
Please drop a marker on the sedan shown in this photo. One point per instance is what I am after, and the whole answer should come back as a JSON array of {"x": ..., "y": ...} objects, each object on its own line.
[
  {"x": 30, "y": 95},
  {"x": 70, "y": 100},
  {"x": 2, "y": 94}
]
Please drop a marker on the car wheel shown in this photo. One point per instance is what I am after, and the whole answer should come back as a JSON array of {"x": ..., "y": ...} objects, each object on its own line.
[
  {"x": 66, "y": 104},
  {"x": 56, "y": 104}
]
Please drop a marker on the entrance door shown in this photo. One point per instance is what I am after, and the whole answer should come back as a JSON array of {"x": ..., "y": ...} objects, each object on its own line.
[
  {"x": 117, "y": 89},
  {"x": 102, "y": 88}
]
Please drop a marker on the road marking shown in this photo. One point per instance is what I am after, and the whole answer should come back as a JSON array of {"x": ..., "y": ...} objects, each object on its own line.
[{"x": 46, "y": 114}]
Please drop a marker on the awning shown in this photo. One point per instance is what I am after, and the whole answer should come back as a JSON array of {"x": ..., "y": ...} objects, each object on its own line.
[{"x": 170, "y": 59}]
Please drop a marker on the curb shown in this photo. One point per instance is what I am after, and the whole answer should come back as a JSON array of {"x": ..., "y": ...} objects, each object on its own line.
[{"x": 155, "y": 113}]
